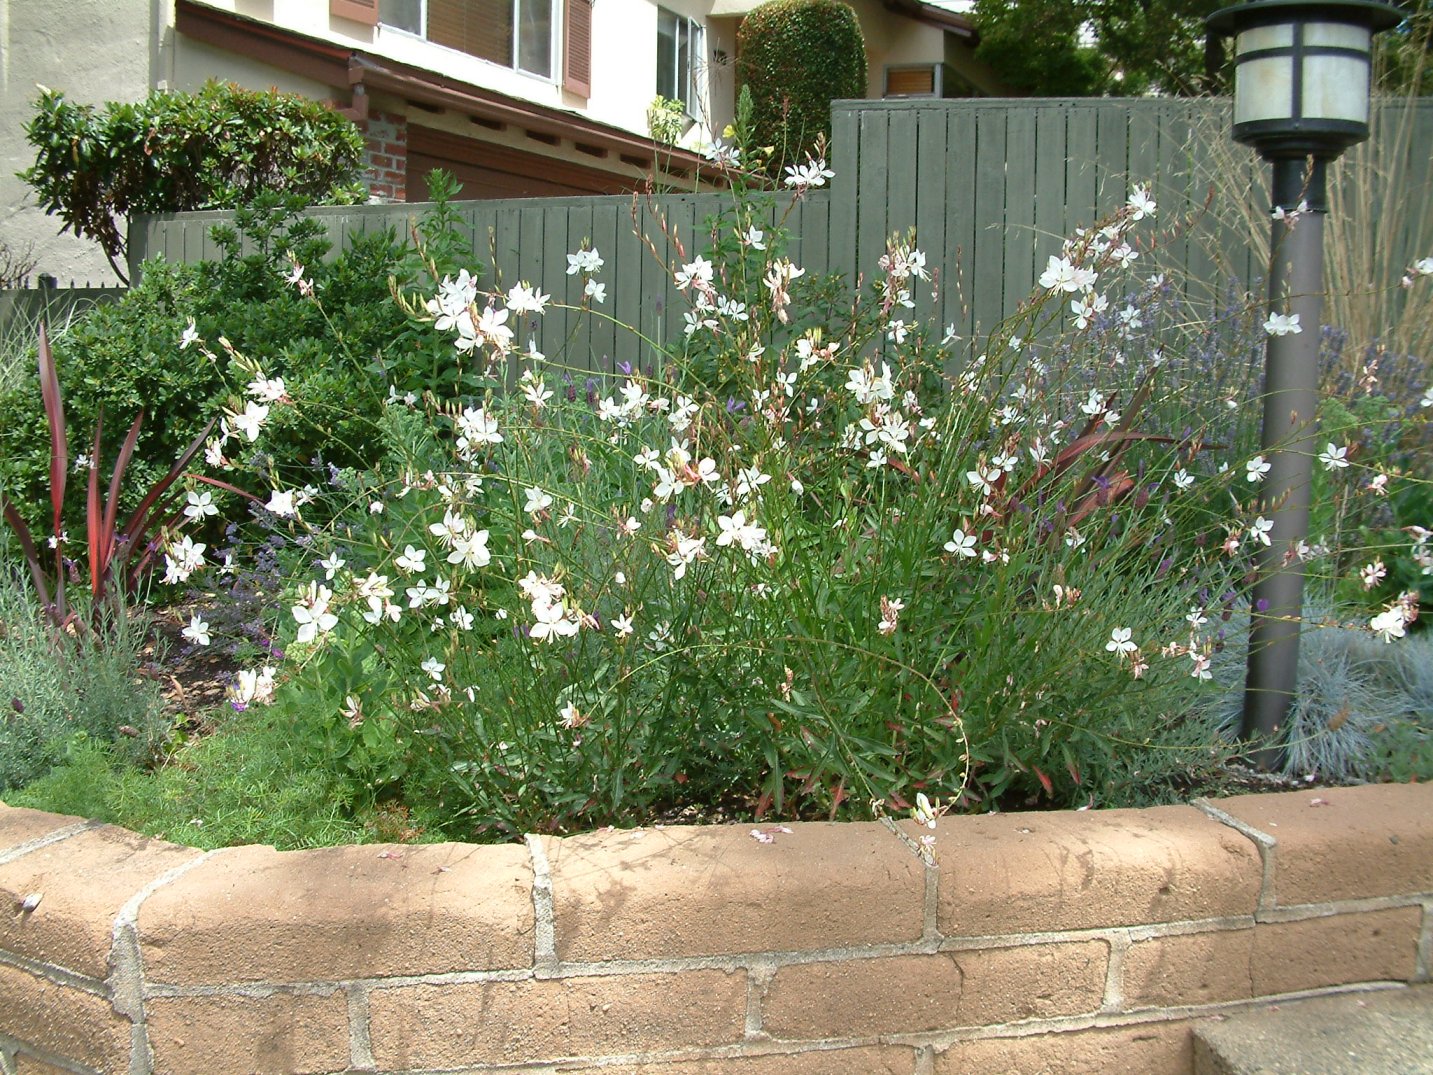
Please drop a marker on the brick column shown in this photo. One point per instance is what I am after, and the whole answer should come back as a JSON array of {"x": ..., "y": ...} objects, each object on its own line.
[{"x": 385, "y": 156}]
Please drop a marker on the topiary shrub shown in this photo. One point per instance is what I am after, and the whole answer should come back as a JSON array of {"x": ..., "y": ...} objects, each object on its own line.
[
  {"x": 792, "y": 100},
  {"x": 215, "y": 149}
]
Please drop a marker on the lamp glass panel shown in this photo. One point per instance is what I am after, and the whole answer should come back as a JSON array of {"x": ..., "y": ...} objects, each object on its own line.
[
  {"x": 1336, "y": 87},
  {"x": 1263, "y": 89},
  {"x": 1338, "y": 35},
  {"x": 1264, "y": 37}
]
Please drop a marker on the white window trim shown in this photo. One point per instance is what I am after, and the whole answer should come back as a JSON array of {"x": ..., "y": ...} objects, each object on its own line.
[{"x": 696, "y": 45}]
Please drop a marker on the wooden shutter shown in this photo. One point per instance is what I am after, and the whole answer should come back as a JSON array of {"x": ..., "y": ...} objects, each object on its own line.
[
  {"x": 577, "y": 47},
  {"x": 364, "y": 11},
  {"x": 478, "y": 27},
  {"x": 910, "y": 81}
]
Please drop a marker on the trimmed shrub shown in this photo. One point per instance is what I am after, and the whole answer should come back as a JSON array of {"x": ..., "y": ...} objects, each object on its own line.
[
  {"x": 793, "y": 99},
  {"x": 215, "y": 149}
]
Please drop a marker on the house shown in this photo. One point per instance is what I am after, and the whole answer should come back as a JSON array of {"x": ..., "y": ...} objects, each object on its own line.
[{"x": 518, "y": 98}]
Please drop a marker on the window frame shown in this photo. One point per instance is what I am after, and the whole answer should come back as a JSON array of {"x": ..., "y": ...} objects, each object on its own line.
[{"x": 696, "y": 44}]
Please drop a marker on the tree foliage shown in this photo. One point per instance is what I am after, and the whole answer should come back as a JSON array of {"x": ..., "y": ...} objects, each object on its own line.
[
  {"x": 1083, "y": 48},
  {"x": 797, "y": 56},
  {"x": 215, "y": 149}
]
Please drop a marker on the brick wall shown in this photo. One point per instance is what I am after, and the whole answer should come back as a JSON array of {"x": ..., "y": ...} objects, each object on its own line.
[
  {"x": 1043, "y": 942},
  {"x": 385, "y": 156}
]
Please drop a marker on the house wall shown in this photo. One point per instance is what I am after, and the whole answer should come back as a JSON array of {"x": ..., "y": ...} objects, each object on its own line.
[
  {"x": 893, "y": 39},
  {"x": 1083, "y": 943},
  {"x": 53, "y": 44}
]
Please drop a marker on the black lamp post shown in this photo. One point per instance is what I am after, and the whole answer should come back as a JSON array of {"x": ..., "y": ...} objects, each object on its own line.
[{"x": 1301, "y": 86}]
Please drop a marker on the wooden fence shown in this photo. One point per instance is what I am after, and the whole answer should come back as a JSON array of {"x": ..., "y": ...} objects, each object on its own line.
[{"x": 990, "y": 186}]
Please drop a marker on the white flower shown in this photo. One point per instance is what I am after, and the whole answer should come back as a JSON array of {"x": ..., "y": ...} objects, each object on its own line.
[
  {"x": 1390, "y": 622},
  {"x": 251, "y": 421},
  {"x": 595, "y": 291},
  {"x": 1282, "y": 325},
  {"x": 813, "y": 173},
  {"x": 267, "y": 390},
  {"x": 200, "y": 505},
  {"x": 331, "y": 564},
  {"x": 312, "y": 614},
  {"x": 924, "y": 813},
  {"x": 182, "y": 558},
  {"x": 1119, "y": 643},
  {"x": 191, "y": 335},
  {"x": 553, "y": 621},
  {"x": 754, "y": 238},
  {"x": 622, "y": 625},
  {"x": 961, "y": 544},
  {"x": 1201, "y": 666},
  {"x": 1141, "y": 204},
  {"x": 1183, "y": 479},
  {"x": 696, "y": 273},
  {"x": 471, "y": 551},
  {"x": 891, "y": 609},
  {"x": 1061, "y": 274},
  {"x": 524, "y": 299},
  {"x": 537, "y": 501},
  {"x": 1372, "y": 574},
  {"x": 588, "y": 261},
  {"x": 1256, "y": 468},
  {"x": 1259, "y": 531},
  {"x": 253, "y": 686},
  {"x": 281, "y": 502},
  {"x": 1334, "y": 457},
  {"x": 197, "y": 632},
  {"x": 412, "y": 560},
  {"x": 1423, "y": 266},
  {"x": 434, "y": 668}
]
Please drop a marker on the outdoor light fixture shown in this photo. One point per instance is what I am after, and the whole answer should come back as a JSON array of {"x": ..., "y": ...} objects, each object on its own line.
[{"x": 1301, "y": 84}]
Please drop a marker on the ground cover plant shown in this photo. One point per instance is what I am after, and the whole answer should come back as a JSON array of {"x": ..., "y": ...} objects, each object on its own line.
[{"x": 817, "y": 559}]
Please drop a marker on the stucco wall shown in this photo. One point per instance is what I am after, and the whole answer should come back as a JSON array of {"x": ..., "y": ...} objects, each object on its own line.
[
  {"x": 93, "y": 51},
  {"x": 1070, "y": 942}
]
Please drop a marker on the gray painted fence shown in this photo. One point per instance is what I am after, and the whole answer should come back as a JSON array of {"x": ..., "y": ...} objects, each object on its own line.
[{"x": 991, "y": 188}]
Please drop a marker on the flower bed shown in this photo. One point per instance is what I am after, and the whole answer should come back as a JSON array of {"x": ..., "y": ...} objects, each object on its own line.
[{"x": 1084, "y": 941}]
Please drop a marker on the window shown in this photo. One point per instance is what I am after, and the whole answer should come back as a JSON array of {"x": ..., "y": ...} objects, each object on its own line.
[
  {"x": 515, "y": 33},
  {"x": 679, "y": 50}
]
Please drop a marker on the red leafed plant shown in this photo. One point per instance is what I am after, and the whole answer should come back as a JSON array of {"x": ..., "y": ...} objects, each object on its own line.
[{"x": 114, "y": 573}]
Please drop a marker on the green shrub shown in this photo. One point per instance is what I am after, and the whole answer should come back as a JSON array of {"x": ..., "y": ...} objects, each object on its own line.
[
  {"x": 215, "y": 149},
  {"x": 797, "y": 56},
  {"x": 131, "y": 357}
]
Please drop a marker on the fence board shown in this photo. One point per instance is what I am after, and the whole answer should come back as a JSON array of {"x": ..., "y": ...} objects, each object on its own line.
[{"x": 991, "y": 187}]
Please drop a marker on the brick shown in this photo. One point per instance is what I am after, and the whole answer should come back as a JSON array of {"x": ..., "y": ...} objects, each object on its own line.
[
  {"x": 1344, "y": 843},
  {"x": 1195, "y": 968},
  {"x": 397, "y": 148},
  {"x": 1132, "y": 1050},
  {"x": 237, "y": 1035},
  {"x": 910, "y": 994},
  {"x": 431, "y": 1026},
  {"x": 63, "y": 1021},
  {"x": 85, "y": 881},
  {"x": 19, "y": 825},
  {"x": 686, "y": 891},
  {"x": 1031, "y": 872},
  {"x": 866, "y": 1060},
  {"x": 1376, "y": 946},
  {"x": 256, "y": 914},
  {"x": 380, "y": 161}
]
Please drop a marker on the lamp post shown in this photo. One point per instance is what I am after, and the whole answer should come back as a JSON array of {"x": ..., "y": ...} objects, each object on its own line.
[{"x": 1301, "y": 86}]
